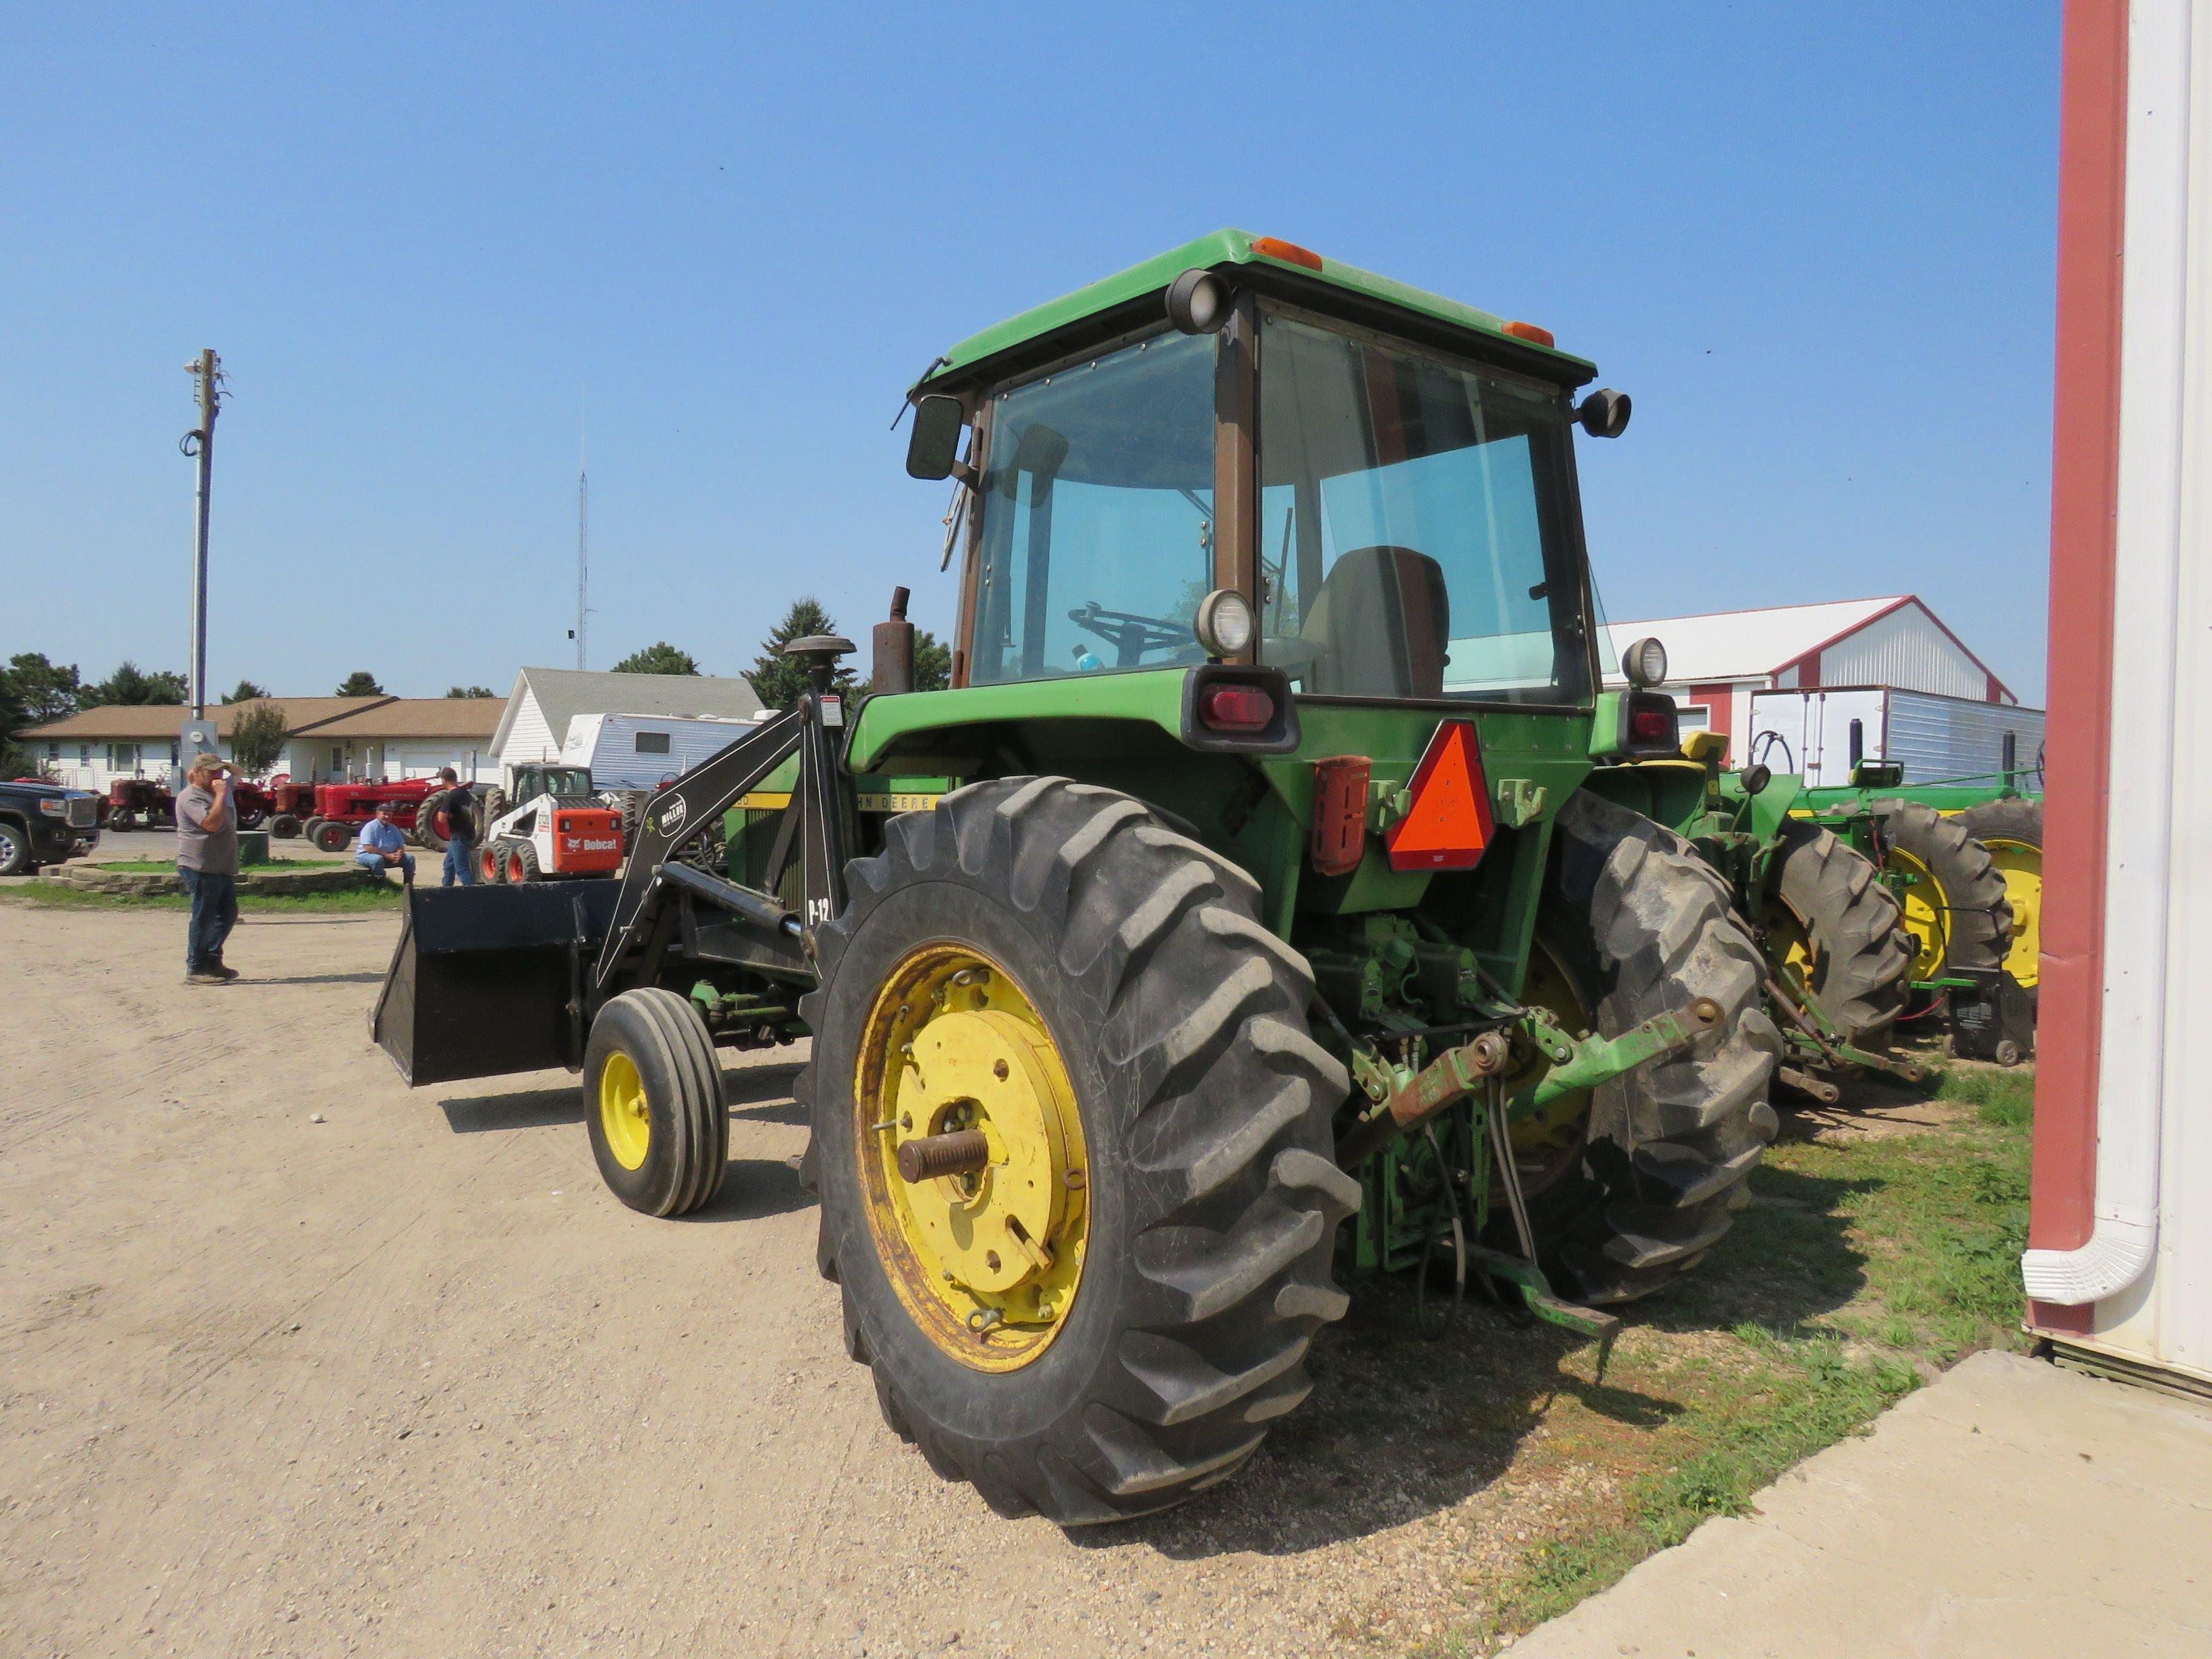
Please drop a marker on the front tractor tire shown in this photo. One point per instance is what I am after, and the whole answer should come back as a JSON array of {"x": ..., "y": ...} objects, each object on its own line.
[
  {"x": 652, "y": 1098},
  {"x": 1636, "y": 924},
  {"x": 1106, "y": 1306}
]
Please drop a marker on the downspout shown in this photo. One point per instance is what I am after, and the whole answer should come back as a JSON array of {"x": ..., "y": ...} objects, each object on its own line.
[{"x": 2129, "y": 1016}]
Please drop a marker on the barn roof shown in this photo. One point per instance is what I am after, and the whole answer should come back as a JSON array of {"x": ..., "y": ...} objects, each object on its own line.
[{"x": 1742, "y": 645}]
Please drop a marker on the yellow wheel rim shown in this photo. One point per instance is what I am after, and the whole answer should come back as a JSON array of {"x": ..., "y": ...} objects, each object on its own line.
[
  {"x": 623, "y": 1117},
  {"x": 988, "y": 1263},
  {"x": 1925, "y": 911},
  {"x": 1791, "y": 948},
  {"x": 1546, "y": 1145},
  {"x": 2021, "y": 866}
]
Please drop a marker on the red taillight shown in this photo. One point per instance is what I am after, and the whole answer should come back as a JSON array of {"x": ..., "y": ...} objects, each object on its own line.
[
  {"x": 1651, "y": 726},
  {"x": 1236, "y": 709},
  {"x": 1289, "y": 252},
  {"x": 1530, "y": 332}
]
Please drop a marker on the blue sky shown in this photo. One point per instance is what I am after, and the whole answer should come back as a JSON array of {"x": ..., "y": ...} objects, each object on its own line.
[{"x": 1816, "y": 244}]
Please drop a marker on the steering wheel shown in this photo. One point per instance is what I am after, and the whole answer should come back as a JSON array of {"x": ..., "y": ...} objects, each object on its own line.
[{"x": 1130, "y": 634}]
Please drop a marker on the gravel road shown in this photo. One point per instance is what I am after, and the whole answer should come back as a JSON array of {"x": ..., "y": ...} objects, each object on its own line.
[{"x": 407, "y": 1381}]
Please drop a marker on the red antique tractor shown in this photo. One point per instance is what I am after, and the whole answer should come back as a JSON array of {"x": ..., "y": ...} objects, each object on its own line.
[{"x": 341, "y": 809}]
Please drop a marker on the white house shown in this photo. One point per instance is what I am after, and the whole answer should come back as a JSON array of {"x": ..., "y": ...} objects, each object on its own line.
[
  {"x": 1716, "y": 661},
  {"x": 534, "y": 724},
  {"x": 402, "y": 738},
  {"x": 94, "y": 747}
]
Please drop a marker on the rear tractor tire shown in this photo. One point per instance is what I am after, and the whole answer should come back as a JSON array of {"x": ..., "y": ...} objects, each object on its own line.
[
  {"x": 1633, "y": 923},
  {"x": 2012, "y": 830},
  {"x": 1071, "y": 1137},
  {"x": 1954, "y": 901},
  {"x": 652, "y": 1098},
  {"x": 1834, "y": 930}
]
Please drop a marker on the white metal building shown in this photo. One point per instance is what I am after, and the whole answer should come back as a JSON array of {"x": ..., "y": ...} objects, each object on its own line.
[
  {"x": 534, "y": 724},
  {"x": 1716, "y": 662},
  {"x": 2119, "y": 1273}
]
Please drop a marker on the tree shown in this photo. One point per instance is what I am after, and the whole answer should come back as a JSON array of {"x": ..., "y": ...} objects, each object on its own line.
[
  {"x": 472, "y": 692},
  {"x": 777, "y": 680},
  {"x": 36, "y": 690},
  {"x": 360, "y": 683},
  {"x": 658, "y": 658},
  {"x": 256, "y": 737},
  {"x": 246, "y": 691},
  {"x": 932, "y": 662},
  {"x": 15, "y": 760},
  {"x": 130, "y": 686}
]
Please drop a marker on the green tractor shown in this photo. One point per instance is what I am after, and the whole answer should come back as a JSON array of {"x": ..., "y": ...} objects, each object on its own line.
[{"x": 1241, "y": 913}]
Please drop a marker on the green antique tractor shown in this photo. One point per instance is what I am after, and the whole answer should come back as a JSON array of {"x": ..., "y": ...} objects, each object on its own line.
[
  {"x": 1838, "y": 952},
  {"x": 1242, "y": 912}
]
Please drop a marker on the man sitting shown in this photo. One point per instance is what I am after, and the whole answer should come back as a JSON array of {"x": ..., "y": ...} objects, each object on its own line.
[{"x": 382, "y": 845}]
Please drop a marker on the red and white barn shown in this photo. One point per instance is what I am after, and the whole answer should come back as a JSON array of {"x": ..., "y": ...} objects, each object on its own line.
[{"x": 1716, "y": 661}]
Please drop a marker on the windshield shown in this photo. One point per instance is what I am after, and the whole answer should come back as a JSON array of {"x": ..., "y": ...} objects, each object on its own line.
[
  {"x": 1414, "y": 525},
  {"x": 1097, "y": 501}
]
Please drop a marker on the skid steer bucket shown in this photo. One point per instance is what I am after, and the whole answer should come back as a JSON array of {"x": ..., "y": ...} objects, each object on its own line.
[{"x": 487, "y": 980}]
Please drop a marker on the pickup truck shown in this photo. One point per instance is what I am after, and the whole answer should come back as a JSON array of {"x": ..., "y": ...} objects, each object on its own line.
[{"x": 44, "y": 823}]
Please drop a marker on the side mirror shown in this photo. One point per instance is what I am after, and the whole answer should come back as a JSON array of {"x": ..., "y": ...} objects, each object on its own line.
[
  {"x": 933, "y": 446},
  {"x": 1604, "y": 413}
]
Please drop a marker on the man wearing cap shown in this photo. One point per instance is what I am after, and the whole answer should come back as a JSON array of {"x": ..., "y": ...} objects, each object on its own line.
[
  {"x": 459, "y": 807},
  {"x": 207, "y": 863},
  {"x": 382, "y": 847}
]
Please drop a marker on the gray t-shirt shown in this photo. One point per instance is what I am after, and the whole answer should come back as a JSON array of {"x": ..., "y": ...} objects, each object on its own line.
[{"x": 213, "y": 852}]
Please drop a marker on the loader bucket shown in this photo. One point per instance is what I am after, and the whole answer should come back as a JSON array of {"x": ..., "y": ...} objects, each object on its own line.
[{"x": 485, "y": 979}]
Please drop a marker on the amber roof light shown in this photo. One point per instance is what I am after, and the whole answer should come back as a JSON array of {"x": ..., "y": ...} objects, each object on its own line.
[
  {"x": 1289, "y": 252},
  {"x": 1530, "y": 332}
]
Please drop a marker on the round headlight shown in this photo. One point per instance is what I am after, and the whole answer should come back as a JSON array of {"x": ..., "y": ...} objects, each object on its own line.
[
  {"x": 1224, "y": 622},
  {"x": 1646, "y": 664}
]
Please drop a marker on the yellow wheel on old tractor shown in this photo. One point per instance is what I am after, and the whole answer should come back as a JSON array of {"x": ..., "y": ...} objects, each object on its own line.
[
  {"x": 973, "y": 1161},
  {"x": 1922, "y": 897}
]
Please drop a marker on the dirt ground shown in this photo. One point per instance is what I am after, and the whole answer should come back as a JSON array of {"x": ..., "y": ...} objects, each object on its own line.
[{"x": 406, "y": 1379}]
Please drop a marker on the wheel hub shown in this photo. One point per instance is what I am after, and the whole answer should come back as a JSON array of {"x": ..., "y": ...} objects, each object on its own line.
[
  {"x": 972, "y": 1157},
  {"x": 623, "y": 1114}
]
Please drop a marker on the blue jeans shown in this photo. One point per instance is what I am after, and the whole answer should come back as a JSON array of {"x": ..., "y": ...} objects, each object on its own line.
[
  {"x": 375, "y": 861},
  {"x": 460, "y": 863},
  {"x": 214, "y": 913}
]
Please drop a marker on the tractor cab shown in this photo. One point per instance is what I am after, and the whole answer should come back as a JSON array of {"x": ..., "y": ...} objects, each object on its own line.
[
  {"x": 1292, "y": 462},
  {"x": 563, "y": 783}
]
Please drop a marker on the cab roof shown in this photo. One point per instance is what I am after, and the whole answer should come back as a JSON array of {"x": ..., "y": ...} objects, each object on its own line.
[{"x": 1115, "y": 303}]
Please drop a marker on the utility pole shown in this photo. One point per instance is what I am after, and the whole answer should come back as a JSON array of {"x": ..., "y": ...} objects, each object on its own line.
[
  {"x": 207, "y": 369},
  {"x": 583, "y": 535}
]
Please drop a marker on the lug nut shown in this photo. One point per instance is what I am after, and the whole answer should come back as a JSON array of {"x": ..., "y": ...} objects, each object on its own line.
[{"x": 964, "y": 1151}]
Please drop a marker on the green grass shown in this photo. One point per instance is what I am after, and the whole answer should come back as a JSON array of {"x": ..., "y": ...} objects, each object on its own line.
[
  {"x": 150, "y": 866},
  {"x": 1866, "y": 1263},
  {"x": 57, "y": 895}
]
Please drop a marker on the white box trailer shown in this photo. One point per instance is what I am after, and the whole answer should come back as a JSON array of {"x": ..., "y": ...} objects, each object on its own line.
[
  {"x": 1823, "y": 734},
  {"x": 643, "y": 751}
]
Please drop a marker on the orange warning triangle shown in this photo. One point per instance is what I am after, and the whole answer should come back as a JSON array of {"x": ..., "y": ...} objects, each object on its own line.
[{"x": 1449, "y": 824}]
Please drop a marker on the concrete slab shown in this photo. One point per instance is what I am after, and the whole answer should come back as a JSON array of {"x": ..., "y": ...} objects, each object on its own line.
[{"x": 2010, "y": 1508}]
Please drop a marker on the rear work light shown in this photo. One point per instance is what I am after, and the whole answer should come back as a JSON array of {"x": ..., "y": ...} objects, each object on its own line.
[{"x": 1236, "y": 709}]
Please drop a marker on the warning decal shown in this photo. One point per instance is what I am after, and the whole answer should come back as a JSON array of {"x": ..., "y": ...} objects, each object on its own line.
[{"x": 1448, "y": 823}]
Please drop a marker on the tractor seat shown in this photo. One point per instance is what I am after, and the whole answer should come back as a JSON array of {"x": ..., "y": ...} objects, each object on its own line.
[{"x": 1380, "y": 626}]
